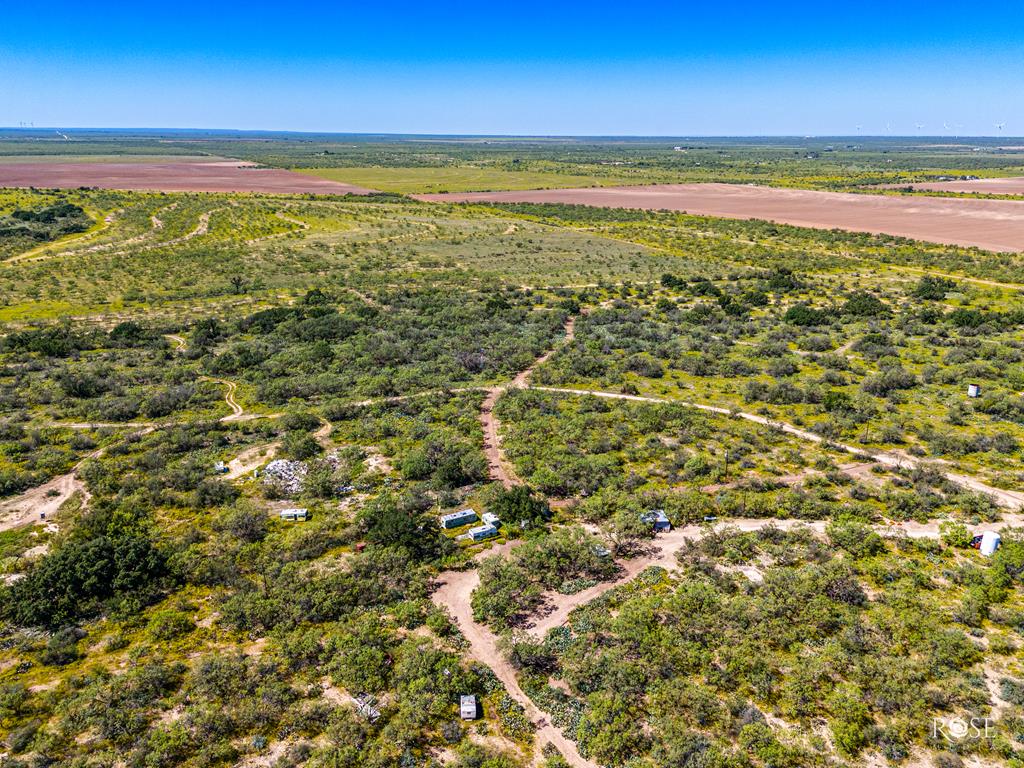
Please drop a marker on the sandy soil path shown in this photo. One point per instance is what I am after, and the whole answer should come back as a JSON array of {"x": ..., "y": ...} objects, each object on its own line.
[
  {"x": 1008, "y": 499},
  {"x": 995, "y": 225},
  {"x": 237, "y": 411},
  {"x": 367, "y": 300},
  {"x": 500, "y": 467},
  {"x": 323, "y": 435},
  {"x": 456, "y": 588},
  {"x": 300, "y": 226},
  {"x": 666, "y": 545},
  {"x": 179, "y": 341},
  {"x": 46, "y": 499},
  {"x": 454, "y": 594}
]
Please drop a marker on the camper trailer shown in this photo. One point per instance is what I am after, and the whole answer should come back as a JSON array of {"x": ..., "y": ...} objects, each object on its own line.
[{"x": 458, "y": 519}]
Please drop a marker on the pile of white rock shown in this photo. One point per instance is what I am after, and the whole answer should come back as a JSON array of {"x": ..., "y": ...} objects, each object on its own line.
[{"x": 285, "y": 475}]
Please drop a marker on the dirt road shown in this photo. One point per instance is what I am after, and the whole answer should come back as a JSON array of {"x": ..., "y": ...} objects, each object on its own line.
[
  {"x": 1008, "y": 499},
  {"x": 995, "y": 225},
  {"x": 454, "y": 593},
  {"x": 661, "y": 552},
  {"x": 456, "y": 589},
  {"x": 500, "y": 467},
  {"x": 237, "y": 411},
  {"x": 666, "y": 545},
  {"x": 179, "y": 341},
  {"x": 46, "y": 499}
]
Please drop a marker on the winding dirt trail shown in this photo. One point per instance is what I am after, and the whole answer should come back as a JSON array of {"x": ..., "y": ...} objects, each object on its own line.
[
  {"x": 456, "y": 588},
  {"x": 500, "y": 467},
  {"x": 237, "y": 411},
  {"x": 1008, "y": 499},
  {"x": 35, "y": 503},
  {"x": 300, "y": 226},
  {"x": 666, "y": 545},
  {"x": 179, "y": 341},
  {"x": 454, "y": 594},
  {"x": 202, "y": 227},
  {"x": 367, "y": 300}
]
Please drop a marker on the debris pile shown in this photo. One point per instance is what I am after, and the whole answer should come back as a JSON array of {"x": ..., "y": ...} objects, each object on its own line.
[{"x": 285, "y": 475}]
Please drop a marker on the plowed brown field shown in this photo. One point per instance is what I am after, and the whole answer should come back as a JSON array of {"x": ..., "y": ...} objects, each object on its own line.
[
  {"x": 1007, "y": 186},
  {"x": 996, "y": 225},
  {"x": 169, "y": 176}
]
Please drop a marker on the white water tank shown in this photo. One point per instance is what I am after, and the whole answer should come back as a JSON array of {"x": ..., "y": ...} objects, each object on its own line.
[{"x": 989, "y": 543}]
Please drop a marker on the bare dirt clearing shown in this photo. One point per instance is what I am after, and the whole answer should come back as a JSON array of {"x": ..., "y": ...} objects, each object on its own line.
[
  {"x": 170, "y": 176},
  {"x": 38, "y": 503},
  {"x": 995, "y": 225}
]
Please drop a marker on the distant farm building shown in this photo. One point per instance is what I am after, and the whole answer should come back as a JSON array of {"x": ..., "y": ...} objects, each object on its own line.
[
  {"x": 490, "y": 518},
  {"x": 295, "y": 514},
  {"x": 458, "y": 519},
  {"x": 657, "y": 519},
  {"x": 467, "y": 707}
]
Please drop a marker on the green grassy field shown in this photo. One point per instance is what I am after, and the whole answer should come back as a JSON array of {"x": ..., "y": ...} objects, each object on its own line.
[{"x": 453, "y": 179}]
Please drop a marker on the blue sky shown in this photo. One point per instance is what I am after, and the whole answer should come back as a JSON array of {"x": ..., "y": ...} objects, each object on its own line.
[{"x": 518, "y": 68}]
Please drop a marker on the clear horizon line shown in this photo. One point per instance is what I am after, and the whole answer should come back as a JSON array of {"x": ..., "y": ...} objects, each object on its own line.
[{"x": 691, "y": 136}]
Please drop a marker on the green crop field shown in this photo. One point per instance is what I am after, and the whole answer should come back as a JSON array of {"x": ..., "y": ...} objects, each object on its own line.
[{"x": 453, "y": 179}]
